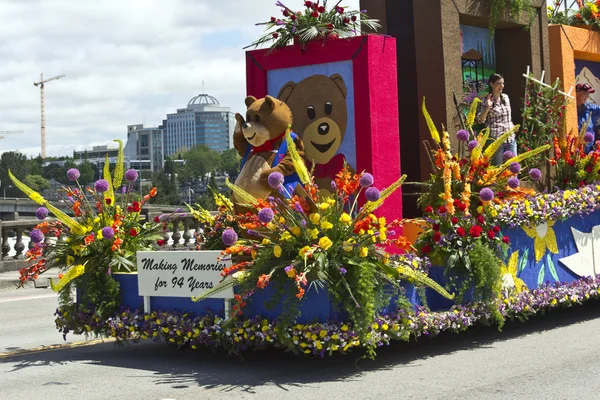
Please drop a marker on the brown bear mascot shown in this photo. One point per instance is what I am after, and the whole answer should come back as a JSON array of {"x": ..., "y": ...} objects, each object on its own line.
[{"x": 260, "y": 140}]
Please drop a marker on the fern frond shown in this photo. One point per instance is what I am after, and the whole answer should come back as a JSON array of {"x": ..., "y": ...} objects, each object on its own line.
[
  {"x": 109, "y": 194},
  {"x": 118, "y": 177},
  {"x": 472, "y": 112}
]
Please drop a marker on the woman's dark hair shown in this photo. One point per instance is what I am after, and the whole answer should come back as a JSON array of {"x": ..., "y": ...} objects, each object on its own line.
[{"x": 494, "y": 78}]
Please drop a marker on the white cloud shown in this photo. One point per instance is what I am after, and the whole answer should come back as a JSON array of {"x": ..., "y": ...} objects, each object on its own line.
[{"x": 125, "y": 62}]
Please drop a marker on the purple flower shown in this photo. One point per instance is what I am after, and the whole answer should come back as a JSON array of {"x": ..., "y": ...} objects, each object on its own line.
[
  {"x": 73, "y": 174},
  {"x": 131, "y": 175},
  {"x": 486, "y": 194},
  {"x": 41, "y": 213},
  {"x": 333, "y": 185},
  {"x": 507, "y": 155},
  {"x": 229, "y": 237},
  {"x": 372, "y": 194},
  {"x": 366, "y": 180},
  {"x": 101, "y": 185},
  {"x": 288, "y": 268},
  {"x": 462, "y": 135},
  {"x": 343, "y": 270},
  {"x": 36, "y": 236},
  {"x": 535, "y": 174},
  {"x": 265, "y": 215},
  {"x": 588, "y": 137},
  {"x": 472, "y": 144},
  {"x": 514, "y": 167},
  {"x": 513, "y": 182},
  {"x": 108, "y": 232},
  {"x": 275, "y": 179}
]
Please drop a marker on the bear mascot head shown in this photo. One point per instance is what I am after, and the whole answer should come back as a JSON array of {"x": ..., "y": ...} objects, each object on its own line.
[
  {"x": 259, "y": 139},
  {"x": 318, "y": 104}
]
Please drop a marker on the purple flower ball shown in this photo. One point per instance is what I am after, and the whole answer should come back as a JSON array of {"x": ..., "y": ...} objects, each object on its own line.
[
  {"x": 507, "y": 155},
  {"x": 366, "y": 180},
  {"x": 229, "y": 237},
  {"x": 108, "y": 232},
  {"x": 513, "y": 182},
  {"x": 514, "y": 167},
  {"x": 275, "y": 179},
  {"x": 372, "y": 194},
  {"x": 462, "y": 135},
  {"x": 486, "y": 194},
  {"x": 343, "y": 271},
  {"x": 36, "y": 236},
  {"x": 101, "y": 185},
  {"x": 265, "y": 215},
  {"x": 41, "y": 213},
  {"x": 535, "y": 174},
  {"x": 131, "y": 175},
  {"x": 588, "y": 137},
  {"x": 472, "y": 144},
  {"x": 73, "y": 174}
]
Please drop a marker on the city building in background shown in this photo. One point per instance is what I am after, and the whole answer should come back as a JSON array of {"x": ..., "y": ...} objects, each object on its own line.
[
  {"x": 203, "y": 122},
  {"x": 145, "y": 147}
]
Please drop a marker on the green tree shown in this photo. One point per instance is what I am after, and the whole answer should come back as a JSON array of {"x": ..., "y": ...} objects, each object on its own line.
[
  {"x": 230, "y": 163},
  {"x": 37, "y": 182},
  {"x": 16, "y": 162},
  {"x": 87, "y": 172},
  {"x": 166, "y": 187},
  {"x": 200, "y": 160}
]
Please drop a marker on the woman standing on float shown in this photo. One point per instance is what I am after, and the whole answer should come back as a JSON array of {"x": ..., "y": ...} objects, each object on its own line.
[{"x": 495, "y": 113}]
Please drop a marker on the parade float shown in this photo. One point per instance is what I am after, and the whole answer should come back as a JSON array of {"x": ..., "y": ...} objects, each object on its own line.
[{"x": 310, "y": 257}]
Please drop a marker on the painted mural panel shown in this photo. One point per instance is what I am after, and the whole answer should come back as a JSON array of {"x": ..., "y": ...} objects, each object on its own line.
[
  {"x": 589, "y": 72},
  {"x": 475, "y": 43}
]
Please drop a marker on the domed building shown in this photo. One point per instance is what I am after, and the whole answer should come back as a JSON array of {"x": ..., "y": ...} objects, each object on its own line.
[{"x": 203, "y": 122}]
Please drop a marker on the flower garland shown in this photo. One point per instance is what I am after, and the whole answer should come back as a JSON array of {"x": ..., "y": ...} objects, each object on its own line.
[
  {"x": 317, "y": 339},
  {"x": 547, "y": 207}
]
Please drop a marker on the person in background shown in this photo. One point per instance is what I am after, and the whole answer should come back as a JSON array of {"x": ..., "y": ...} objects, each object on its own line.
[
  {"x": 587, "y": 111},
  {"x": 495, "y": 113}
]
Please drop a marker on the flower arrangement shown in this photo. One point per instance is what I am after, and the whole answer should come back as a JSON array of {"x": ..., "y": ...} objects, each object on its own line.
[
  {"x": 101, "y": 238},
  {"x": 587, "y": 13},
  {"x": 319, "y": 339},
  {"x": 574, "y": 168},
  {"x": 544, "y": 207},
  {"x": 316, "y": 22},
  {"x": 543, "y": 114},
  {"x": 333, "y": 242}
]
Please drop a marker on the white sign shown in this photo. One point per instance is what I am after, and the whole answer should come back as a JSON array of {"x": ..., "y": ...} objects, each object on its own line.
[{"x": 180, "y": 273}]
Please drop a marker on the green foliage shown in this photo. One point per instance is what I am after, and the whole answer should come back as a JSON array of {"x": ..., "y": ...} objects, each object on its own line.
[
  {"x": 199, "y": 161},
  {"x": 513, "y": 9},
  {"x": 167, "y": 189},
  {"x": 37, "y": 182},
  {"x": 230, "y": 163}
]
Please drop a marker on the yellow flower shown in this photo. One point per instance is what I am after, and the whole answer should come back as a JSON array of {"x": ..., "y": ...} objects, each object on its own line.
[
  {"x": 314, "y": 218},
  {"x": 291, "y": 272},
  {"x": 285, "y": 236},
  {"x": 346, "y": 219},
  {"x": 544, "y": 238},
  {"x": 266, "y": 241},
  {"x": 364, "y": 251},
  {"x": 382, "y": 236},
  {"x": 322, "y": 333},
  {"x": 70, "y": 260},
  {"x": 326, "y": 225},
  {"x": 99, "y": 235},
  {"x": 348, "y": 245},
  {"x": 325, "y": 243},
  {"x": 324, "y": 206},
  {"x": 305, "y": 251},
  {"x": 313, "y": 233},
  {"x": 296, "y": 230},
  {"x": 271, "y": 226},
  {"x": 509, "y": 273},
  {"x": 97, "y": 219},
  {"x": 281, "y": 220},
  {"x": 344, "y": 328},
  {"x": 277, "y": 251},
  {"x": 331, "y": 201},
  {"x": 494, "y": 213},
  {"x": 480, "y": 209}
]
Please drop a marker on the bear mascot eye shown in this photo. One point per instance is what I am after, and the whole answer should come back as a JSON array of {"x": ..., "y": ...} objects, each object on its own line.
[
  {"x": 328, "y": 108},
  {"x": 310, "y": 111},
  {"x": 257, "y": 118}
]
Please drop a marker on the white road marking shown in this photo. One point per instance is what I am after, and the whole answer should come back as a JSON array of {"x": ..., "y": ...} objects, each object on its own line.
[{"x": 47, "y": 296}]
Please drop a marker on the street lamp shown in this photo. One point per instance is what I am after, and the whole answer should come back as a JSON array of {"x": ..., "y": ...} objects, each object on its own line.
[
  {"x": 190, "y": 191},
  {"x": 4, "y": 187}
]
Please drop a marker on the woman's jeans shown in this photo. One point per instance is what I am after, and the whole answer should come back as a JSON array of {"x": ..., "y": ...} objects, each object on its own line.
[{"x": 496, "y": 159}]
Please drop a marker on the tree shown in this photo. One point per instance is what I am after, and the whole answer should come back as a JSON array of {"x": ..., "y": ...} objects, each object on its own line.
[
  {"x": 166, "y": 188},
  {"x": 16, "y": 162},
  {"x": 230, "y": 163},
  {"x": 87, "y": 172},
  {"x": 200, "y": 160},
  {"x": 37, "y": 182}
]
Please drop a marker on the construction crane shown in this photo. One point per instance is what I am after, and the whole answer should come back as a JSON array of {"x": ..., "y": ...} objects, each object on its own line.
[
  {"x": 41, "y": 85},
  {"x": 8, "y": 132}
]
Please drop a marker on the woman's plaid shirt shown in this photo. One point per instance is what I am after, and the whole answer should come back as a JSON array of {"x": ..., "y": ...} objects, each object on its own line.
[{"x": 498, "y": 119}]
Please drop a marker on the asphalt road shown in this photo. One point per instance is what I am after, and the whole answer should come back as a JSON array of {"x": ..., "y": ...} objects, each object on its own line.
[{"x": 551, "y": 357}]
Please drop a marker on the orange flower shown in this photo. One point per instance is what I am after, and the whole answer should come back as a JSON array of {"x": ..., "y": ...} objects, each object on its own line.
[
  {"x": 77, "y": 208},
  {"x": 300, "y": 293},
  {"x": 117, "y": 244},
  {"x": 263, "y": 281},
  {"x": 152, "y": 192},
  {"x": 89, "y": 239}
]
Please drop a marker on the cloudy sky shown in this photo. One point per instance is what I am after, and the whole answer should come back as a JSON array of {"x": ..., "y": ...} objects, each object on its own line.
[{"x": 125, "y": 61}]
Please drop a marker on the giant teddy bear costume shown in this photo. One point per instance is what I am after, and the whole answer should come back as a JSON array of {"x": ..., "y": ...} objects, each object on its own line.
[{"x": 260, "y": 140}]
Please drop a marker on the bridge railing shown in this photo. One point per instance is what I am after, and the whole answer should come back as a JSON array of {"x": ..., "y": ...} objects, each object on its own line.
[{"x": 179, "y": 235}]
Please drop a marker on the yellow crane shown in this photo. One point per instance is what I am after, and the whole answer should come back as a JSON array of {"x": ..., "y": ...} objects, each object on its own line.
[
  {"x": 41, "y": 85},
  {"x": 9, "y": 132}
]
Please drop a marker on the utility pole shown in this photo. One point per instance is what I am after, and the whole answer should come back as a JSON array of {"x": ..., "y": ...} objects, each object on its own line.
[{"x": 41, "y": 85}]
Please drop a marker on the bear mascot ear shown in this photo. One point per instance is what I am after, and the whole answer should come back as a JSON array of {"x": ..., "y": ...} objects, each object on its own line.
[
  {"x": 286, "y": 91},
  {"x": 250, "y": 100},
  {"x": 271, "y": 102},
  {"x": 339, "y": 81}
]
